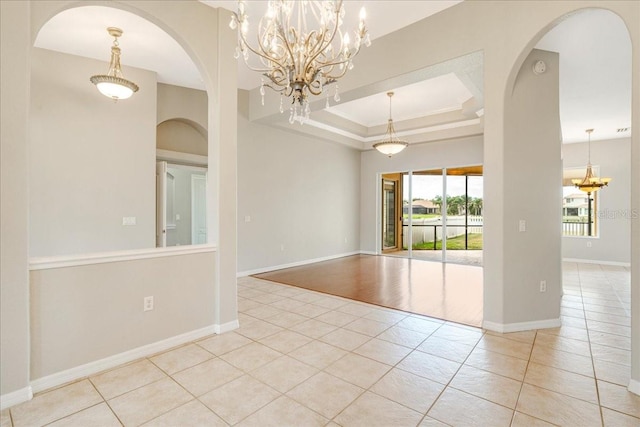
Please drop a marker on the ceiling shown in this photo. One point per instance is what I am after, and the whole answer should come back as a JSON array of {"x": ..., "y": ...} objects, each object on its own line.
[{"x": 595, "y": 78}]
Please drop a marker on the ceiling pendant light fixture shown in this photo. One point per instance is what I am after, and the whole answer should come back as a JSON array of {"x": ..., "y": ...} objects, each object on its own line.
[
  {"x": 391, "y": 144},
  {"x": 590, "y": 183},
  {"x": 301, "y": 49},
  {"x": 113, "y": 84}
]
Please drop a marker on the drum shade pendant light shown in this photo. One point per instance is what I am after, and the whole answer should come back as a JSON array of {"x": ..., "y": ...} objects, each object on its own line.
[
  {"x": 113, "y": 84},
  {"x": 391, "y": 144}
]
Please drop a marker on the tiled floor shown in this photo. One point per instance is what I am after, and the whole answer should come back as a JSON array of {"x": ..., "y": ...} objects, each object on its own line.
[{"x": 302, "y": 358}]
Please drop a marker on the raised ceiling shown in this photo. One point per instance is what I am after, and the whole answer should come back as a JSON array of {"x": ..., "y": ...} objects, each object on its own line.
[{"x": 595, "y": 78}]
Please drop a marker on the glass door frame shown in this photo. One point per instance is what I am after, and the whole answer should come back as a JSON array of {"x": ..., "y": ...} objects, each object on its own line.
[{"x": 394, "y": 179}]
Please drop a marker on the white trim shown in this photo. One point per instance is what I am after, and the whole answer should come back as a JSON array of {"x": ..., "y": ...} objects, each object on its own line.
[
  {"x": 293, "y": 264},
  {"x": 227, "y": 327},
  {"x": 176, "y": 156},
  {"x": 505, "y": 328},
  {"x": 15, "y": 397},
  {"x": 45, "y": 263},
  {"x": 366, "y": 140},
  {"x": 595, "y": 261},
  {"x": 368, "y": 253},
  {"x": 634, "y": 386},
  {"x": 91, "y": 368}
]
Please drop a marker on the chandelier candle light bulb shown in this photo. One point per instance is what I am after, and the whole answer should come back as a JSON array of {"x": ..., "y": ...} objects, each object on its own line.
[{"x": 302, "y": 59}]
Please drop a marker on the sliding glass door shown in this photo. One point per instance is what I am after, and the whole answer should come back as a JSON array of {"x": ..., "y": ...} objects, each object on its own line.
[{"x": 434, "y": 226}]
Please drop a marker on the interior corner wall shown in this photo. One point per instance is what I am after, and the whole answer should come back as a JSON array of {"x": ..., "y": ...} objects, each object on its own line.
[
  {"x": 14, "y": 269},
  {"x": 174, "y": 135},
  {"x": 91, "y": 159},
  {"x": 176, "y": 102},
  {"x": 298, "y": 197},
  {"x": 613, "y": 212},
  {"x": 434, "y": 155},
  {"x": 532, "y": 160}
]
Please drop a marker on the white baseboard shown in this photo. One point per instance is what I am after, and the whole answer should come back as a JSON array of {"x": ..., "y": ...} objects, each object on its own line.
[
  {"x": 595, "y": 261},
  {"x": 226, "y": 327},
  {"x": 92, "y": 368},
  {"x": 634, "y": 387},
  {"x": 15, "y": 397},
  {"x": 368, "y": 253},
  {"x": 505, "y": 328},
  {"x": 294, "y": 264}
]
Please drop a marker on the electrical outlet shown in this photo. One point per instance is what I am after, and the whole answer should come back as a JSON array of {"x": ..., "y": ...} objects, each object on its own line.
[
  {"x": 543, "y": 286},
  {"x": 588, "y": 244},
  {"x": 148, "y": 304}
]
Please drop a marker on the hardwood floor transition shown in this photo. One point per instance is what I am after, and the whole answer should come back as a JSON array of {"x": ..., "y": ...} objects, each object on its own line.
[{"x": 442, "y": 290}]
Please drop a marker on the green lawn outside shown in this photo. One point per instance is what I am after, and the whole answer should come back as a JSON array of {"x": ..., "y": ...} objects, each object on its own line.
[
  {"x": 454, "y": 243},
  {"x": 422, "y": 216}
]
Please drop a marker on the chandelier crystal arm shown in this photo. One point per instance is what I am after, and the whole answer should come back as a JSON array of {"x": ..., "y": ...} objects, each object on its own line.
[
  {"x": 244, "y": 44},
  {"x": 298, "y": 47}
]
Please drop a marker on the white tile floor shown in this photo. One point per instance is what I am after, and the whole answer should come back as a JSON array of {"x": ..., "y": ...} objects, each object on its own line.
[{"x": 302, "y": 358}]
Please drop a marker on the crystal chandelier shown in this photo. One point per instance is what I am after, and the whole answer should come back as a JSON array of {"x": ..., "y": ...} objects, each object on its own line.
[
  {"x": 391, "y": 144},
  {"x": 301, "y": 49},
  {"x": 113, "y": 84},
  {"x": 590, "y": 183}
]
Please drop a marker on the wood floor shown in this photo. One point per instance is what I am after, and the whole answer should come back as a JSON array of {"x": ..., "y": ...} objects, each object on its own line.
[{"x": 445, "y": 291}]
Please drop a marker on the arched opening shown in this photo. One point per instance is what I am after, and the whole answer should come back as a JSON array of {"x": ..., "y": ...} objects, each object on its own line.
[
  {"x": 94, "y": 160},
  {"x": 594, "y": 91}
]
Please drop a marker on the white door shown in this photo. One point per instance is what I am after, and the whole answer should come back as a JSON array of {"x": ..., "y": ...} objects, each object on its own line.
[
  {"x": 161, "y": 204},
  {"x": 198, "y": 209}
]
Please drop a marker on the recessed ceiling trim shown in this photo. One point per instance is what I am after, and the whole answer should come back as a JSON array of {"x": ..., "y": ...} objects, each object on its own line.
[{"x": 375, "y": 138}]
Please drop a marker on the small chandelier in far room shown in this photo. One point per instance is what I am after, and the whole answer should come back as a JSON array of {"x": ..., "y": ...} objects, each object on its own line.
[
  {"x": 391, "y": 144},
  {"x": 113, "y": 84},
  {"x": 590, "y": 183},
  {"x": 300, "y": 48}
]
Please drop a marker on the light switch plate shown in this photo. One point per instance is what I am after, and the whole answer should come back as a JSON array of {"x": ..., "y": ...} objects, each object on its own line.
[{"x": 128, "y": 220}]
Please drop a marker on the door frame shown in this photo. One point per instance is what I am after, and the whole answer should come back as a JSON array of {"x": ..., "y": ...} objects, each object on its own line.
[{"x": 396, "y": 178}]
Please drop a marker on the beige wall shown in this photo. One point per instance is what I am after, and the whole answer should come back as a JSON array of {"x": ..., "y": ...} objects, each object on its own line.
[
  {"x": 532, "y": 144},
  {"x": 91, "y": 160},
  {"x": 86, "y": 313},
  {"x": 505, "y": 31},
  {"x": 182, "y": 137},
  {"x": 182, "y": 119},
  {"x": 175, "y": 102},
  {"x": 614, "y": 214},
  {"x": 196, "y": 27},
  {"x": 301, "y": 194},
  {"x": 14, "y": 272}
]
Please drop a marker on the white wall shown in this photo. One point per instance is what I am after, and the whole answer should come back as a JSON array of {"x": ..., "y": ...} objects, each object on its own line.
[
  {"x": 434, "y": 155},
  {"x": 613, "y": 244},
  {"x": 301, "y": 193},
  {"x": 91, "y": 160}
]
